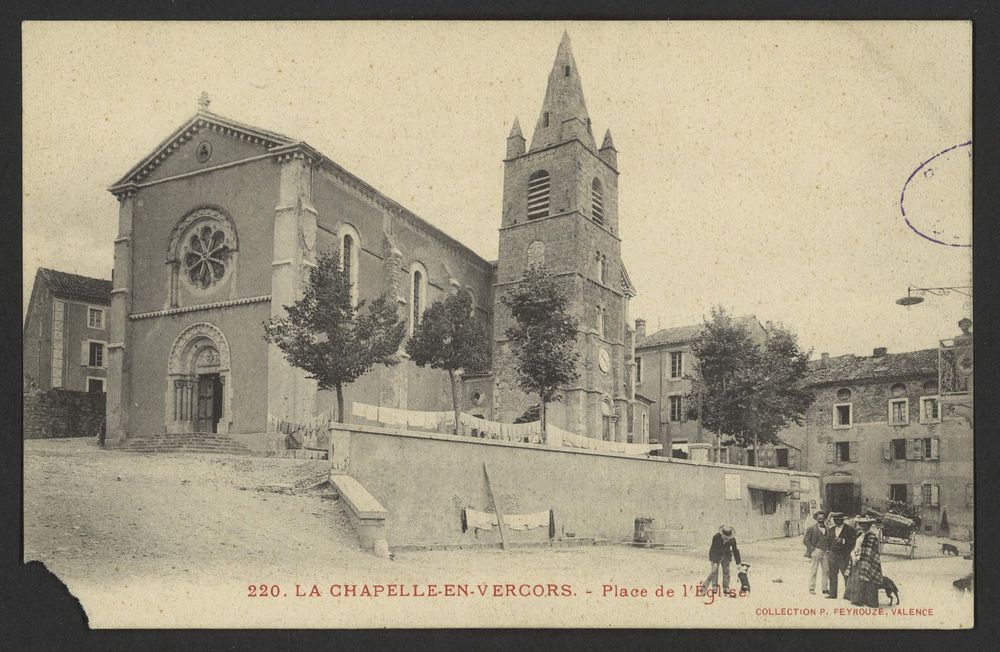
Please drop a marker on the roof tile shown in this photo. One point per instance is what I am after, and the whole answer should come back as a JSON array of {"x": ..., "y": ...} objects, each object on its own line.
[{"x": 76, "y": 286}]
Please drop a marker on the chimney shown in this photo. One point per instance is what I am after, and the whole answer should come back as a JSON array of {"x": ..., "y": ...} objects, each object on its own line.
[
  {"x": 640, "y": 328},
  {"x": 879, "y": 352},
  {"x": 824, "y": 360}
]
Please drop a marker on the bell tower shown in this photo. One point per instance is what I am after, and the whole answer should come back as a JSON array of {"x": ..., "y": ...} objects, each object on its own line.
[{"x": 560, "y": 208}]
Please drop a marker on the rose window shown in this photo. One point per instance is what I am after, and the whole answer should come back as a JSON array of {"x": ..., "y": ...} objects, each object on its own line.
[{"x": 206, "y": 256}]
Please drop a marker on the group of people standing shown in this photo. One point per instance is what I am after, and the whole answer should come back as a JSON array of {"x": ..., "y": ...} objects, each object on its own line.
[{"x": 842, "y": 550}]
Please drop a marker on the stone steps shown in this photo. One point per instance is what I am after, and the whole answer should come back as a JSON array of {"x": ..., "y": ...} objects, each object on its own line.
[{"x": 185, "y": 443}]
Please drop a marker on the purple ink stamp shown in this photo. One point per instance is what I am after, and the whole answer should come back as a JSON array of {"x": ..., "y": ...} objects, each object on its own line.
[{"x": 936, "y": 200}]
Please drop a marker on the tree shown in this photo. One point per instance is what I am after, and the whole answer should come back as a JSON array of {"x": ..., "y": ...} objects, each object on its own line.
[
  {"x": 326, "y": 335},
  {"x": 449, "y": 338},
  {"x": 747, "y": 391},
  {"x": 542, "y": 336}
]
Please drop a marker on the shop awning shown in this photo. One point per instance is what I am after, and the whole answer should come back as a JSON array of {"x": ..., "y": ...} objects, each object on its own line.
[{"x": 770, "y": 486}]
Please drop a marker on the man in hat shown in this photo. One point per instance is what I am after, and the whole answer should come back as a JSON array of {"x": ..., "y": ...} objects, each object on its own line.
[
  {"x": 722, "y": 551},
  {"x": 817, "y": 545},
  {"x": 841, "y": 538}
]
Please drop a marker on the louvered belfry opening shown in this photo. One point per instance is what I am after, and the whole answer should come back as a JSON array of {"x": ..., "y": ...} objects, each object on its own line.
[
  {"x": 538, "y": 195},
  {"x": 597, "y": 202}
]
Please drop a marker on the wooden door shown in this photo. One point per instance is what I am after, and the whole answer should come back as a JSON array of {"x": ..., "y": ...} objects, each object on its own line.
[{"x": 205, "y": 420}]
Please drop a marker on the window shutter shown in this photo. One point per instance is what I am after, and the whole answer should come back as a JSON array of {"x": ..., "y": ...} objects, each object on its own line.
[
  {"x": 85, "y": 353},
  {"x": 829, "y": 452},
  {"x": 935, "y": 448},
  {"x": 918, "y": 494},
  {"x": 104, "y": 356},
  {"x": 852, "y": 451},
  {"x": 918, "y": 449},
  {"x": 935, "y": 490},
  {"x": 887, "y": 450},
  {"x": 793, "y": 458}
]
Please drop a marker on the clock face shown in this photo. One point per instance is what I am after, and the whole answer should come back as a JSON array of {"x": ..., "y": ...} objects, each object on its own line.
[{"x": 604, "y": 360}]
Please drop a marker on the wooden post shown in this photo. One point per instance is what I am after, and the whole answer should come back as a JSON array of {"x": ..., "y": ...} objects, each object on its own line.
[{"x": 496, "y": 508}]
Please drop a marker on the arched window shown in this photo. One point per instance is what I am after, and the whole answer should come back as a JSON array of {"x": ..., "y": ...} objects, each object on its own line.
[
  {"x": 899, "y": 389},
  {"x": 600, "y": 321},
  {"x": 597, "y": 201},
  {"x": 418, "y": 294},
  {"x": 201, "y": 253},
  {"x": 602, "y": 268},
  {"x": 472, "y": 297},
  {"x": 536, "y": 253},
  {"x": 844, "y": 394},
  {"x": 538, "y": 195},
  {"x": 350, "y": 247}
]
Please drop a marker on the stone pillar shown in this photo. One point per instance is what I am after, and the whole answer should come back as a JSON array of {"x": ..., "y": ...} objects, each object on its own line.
[
  {"x": 699, "y": 452},
  {"x": 117, "y": 403},
  {"x": 290, "y": 395}
]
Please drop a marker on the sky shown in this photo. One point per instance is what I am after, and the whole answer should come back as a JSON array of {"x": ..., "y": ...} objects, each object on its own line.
[{"x": 762, "y": 163}]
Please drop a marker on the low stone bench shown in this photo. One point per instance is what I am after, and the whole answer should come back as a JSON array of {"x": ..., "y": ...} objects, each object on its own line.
[{"x": 366, "y": 514}]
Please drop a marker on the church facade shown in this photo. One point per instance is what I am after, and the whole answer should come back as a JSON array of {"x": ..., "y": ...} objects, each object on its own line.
[{"x": 219, "y": 226}]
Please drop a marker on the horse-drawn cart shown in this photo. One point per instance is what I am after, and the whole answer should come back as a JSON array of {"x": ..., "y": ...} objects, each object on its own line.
[{"x": 896, "y": 530}]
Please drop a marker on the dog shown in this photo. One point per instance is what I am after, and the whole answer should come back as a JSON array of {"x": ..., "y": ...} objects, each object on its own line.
[
  {"x": 744, "y": 578},
  {"x": 964, "y": 583},
  {"x": 949, "y": 549},
  {"x": 890, "y": 589}
]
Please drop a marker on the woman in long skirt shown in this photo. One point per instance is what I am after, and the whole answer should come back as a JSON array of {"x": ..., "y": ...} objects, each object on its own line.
[{"x": 866, "y": 569}]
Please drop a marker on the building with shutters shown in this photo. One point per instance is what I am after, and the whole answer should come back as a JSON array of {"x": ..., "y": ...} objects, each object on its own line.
[
  {"x": 220, "y": 223},
  {"x": 663, "y": 367},
  {"x": 879, "y": 430},
  {"x": 66, "y": 332}
]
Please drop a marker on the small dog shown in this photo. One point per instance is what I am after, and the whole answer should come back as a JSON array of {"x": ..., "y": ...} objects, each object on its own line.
[
  {"x": 949, "y": 549},
  {"x": 964, "y": 583},
  {"x": 890, "y": 589},
  {"x": 744, "y": 579}
]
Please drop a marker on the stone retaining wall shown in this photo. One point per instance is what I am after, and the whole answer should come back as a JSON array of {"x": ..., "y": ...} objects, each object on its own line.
[{"x": 63, "y": 413}]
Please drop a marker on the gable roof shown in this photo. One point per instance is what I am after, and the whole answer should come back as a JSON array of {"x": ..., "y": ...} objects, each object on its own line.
[
  {"x": 272, "y": 142},
  {"x": 200, "y": 120},
  {"x": 74, "y": 286},
  {"x": 848, "y": 368}
]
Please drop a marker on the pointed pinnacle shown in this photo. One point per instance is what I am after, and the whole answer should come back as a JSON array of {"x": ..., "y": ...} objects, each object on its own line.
[
  {"x": 607, "y": 141},
  {"x": 515, "y": 131}
]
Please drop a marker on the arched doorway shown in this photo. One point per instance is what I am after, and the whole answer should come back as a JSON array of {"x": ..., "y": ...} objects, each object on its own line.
[{"x": 199, "y": 382}]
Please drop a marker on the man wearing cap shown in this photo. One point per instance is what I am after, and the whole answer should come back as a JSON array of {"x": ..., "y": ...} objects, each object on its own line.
[
  {"x": 841, "y": 538},
  {"x": 817, "y": 545}
]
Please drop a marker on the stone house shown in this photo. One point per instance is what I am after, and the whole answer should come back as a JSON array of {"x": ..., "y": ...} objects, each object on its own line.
[
  {"x": 663, "y": 364},
  {"x": 66, "y": 332},
  {"x": 880, "y": 430},
  {"x": 219, "y": 225}
]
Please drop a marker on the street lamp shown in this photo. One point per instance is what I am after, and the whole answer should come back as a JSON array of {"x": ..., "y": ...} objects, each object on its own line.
[{"x": 911, "y": 300}]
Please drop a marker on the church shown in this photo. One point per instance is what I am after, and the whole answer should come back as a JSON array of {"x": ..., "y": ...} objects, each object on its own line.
[{"x": 219, "y": 226}]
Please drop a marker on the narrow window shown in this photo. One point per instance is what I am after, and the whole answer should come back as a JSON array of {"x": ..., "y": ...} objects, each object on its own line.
[
  {"x": 898, "y": 449},
  {"x": 638, "y": 369},
  {"x": 566, "y": 71},
  {"x": 545, "y": 119},
  {"x": 782, "y": 457},
  {"x": 347, "y": 257},
  {"x": 842, "y": 415},
  {"x": 600, "y": 321},
  {"x": 899, "y": 411},
  {"x": 418, "y": 285},
  {"x": 538, "y": 195},
  {"x": 676, "y": 364},
  {"x": 96, "y": 357},
  {"x": 675, "y": 408},
  {"x": 95, "y": 318},
  {"x": 843, "y": 451},
  {"x": 597, "y": 202}
]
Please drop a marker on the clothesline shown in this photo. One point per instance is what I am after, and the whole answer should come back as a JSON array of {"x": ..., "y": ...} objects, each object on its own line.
[{"x": 479, "y": 427}]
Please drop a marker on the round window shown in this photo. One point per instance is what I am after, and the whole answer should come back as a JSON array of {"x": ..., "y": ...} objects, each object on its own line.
[{"x": 207, "y": 251}]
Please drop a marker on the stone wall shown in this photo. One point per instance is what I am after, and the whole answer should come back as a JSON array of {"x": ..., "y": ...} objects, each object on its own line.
[
  {"x": 424, "y": 480},
  {"x": 63, "y": 413}
]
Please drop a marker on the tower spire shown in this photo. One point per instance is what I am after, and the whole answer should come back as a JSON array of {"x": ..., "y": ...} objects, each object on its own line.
[{"x": 564, "y": 112}]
